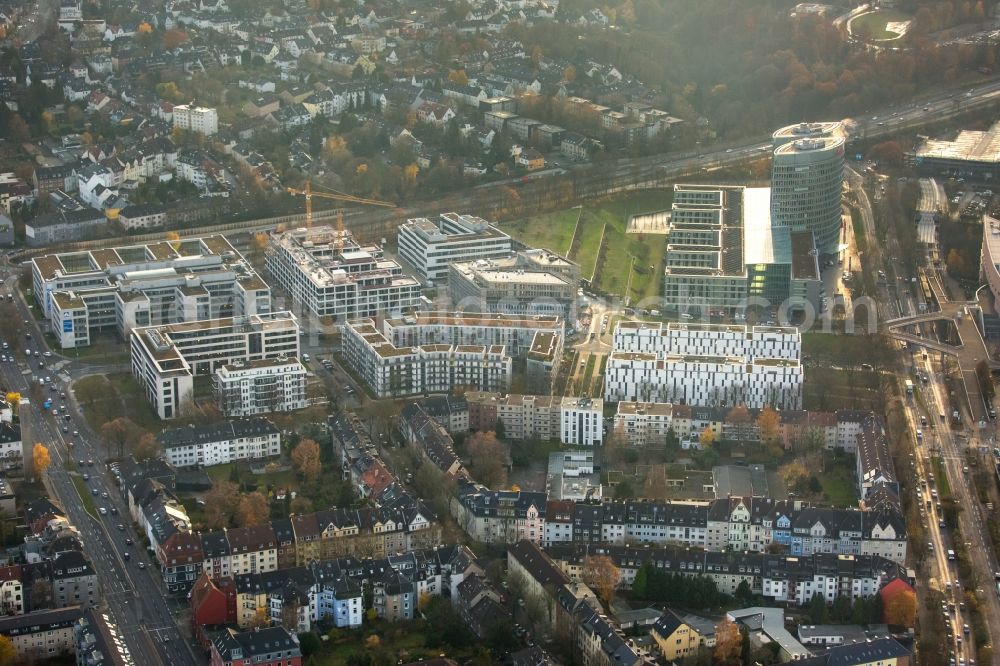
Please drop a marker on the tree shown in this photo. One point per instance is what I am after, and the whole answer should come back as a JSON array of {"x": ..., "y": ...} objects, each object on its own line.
[
  {"x": 13, "y": 399},
  {"x": 117, "y": 434},
  {"x": 306, "y": 460},
  {"x": 220, "y": 504},
  {"x": 569, "y": 73},
  {"x": 769, "y": 422},
  {"x": 900, "y": 609},
  {"x": 260, "y": 618},
  {"x": 41, "y": 594},
  {"x": 40, "y": 459},
  {"x": 817, "y": 612},
  {"x": 252, "y": 510},
  {"x": 728, "y": 643},
  {"x": 17, "y": 129},
  {"x": 8, "y": 655},
  {"x": 795, "y": 475},
  {"x": 487, "y": 458},
  {"x": 301, "y": 504},
  {"x": 458, "y": 76},
  {"x": 600, "y": 573},
  {"x": 173, "y": 38},
  {"x": 309, "y": 643},
  {"x": 147, "y": 447},
  {"x": 707, "y": 438}
]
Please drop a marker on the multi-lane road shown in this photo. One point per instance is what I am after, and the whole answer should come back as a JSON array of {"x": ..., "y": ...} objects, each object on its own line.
[{"x": 134, "y": 596}]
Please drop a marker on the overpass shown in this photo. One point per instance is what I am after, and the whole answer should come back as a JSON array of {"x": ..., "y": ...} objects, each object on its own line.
[{"x": 968, "y": 353}]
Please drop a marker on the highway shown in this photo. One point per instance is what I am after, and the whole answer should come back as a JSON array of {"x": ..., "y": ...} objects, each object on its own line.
[
  {"x": 134, "y": 596},
  {"x": 587, "y": 180}
]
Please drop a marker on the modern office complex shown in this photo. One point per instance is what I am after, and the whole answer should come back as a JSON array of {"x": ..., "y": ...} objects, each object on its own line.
[
  {"x": 220, "y": 443},
  {"x": 705, "y": 364},
  {"x": 199, "y": 119},
  {"x": 516, "y": 333},
  {"x": 431, "y": 247},
  {"x": 118, "y": 289},
  {"x": 245, "y": 388},
  {"x": 723, "y": 252},
  {"x": 414, "y": 368},
  {"x": 807, "y": 180},
  {"x": 331, "y": 275},
  {"x": 530, "y": 282},
  {"x": 166, "y": 358},
  {"x": 972, "y": 154}
]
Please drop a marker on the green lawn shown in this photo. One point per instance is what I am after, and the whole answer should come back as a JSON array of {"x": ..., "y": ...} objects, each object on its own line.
[
  {"x": 106, "y": 397},
  {"x": 860, "y": 239},
  {"x": 941, "y": 477},
  {"x": 552, "y": 231},
  {"x": 828, "y": 389},
  {"x": 588, "y": 373},
  {"x": 590, "y": 240},
  {"x": 611, "y": 216},
  {"x": 873, "y": 24},
  {"x": 85, "y": 497},
  {"x": 839, "y": 485}
]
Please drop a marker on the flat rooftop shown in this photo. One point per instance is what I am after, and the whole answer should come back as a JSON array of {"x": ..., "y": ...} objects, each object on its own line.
[
  {"x": 969, "y": 146},
  {"x": 491, "y": 320}
]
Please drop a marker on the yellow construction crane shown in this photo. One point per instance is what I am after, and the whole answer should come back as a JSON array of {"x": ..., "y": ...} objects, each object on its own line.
[{"x": 308, "y": 192}]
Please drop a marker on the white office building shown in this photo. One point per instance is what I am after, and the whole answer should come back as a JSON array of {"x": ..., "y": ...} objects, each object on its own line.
[
  {"x": 198, "y": 119},
  {"x": 221, "y": 443},
  {"x": 166, "y": 358},
  {"x": 121, "y": 288},
  {"x": 706, "y": 365},
  {"x": 269, "y": 385},
  {"x": 432, "y": 246},
  {"x": 394, "y": 371},
  {"x": 515, "y": 332},
  {"x": 331, "y": 275},
  {"x": 581, "y": 421}
]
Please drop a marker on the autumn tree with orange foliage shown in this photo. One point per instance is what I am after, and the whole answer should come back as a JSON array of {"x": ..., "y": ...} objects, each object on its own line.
[
  {"x": 601, "y": 574},
  {"x": 488, "y": 459},
  {"x": 900, "y": 609},
  {"x": 728, "y": 644}
]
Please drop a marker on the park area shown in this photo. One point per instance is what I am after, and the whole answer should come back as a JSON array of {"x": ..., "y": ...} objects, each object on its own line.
[
  {"x": 880, "y": 26},
  {"x": 594, "y": 236}
]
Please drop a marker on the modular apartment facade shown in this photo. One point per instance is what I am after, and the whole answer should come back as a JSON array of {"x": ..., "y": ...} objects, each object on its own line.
[
  {"x": 166, "y": 358},
  {"x": 221, "y": 443},
  {"x": 391, "y": 371},
  {"x": 515, "y": 332},
  {"x": 245, "y": 388},
  {"x": 331, "y": 275},
  {"x": 118, "y": 289},
  {"x": 706, "y": 364},
  {"x": 432, "y": 246}
]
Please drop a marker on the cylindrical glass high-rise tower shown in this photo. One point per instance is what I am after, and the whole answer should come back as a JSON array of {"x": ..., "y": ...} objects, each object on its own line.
[{"x": 806, "y": 180}]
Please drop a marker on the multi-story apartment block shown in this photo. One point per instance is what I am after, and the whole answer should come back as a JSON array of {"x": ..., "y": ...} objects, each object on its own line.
[
  {"x": 706, "y": 364},
  {"x": 166, "y": 358},
  {"x": 499, "y": 516},
  {"x": 581, "y": 421},
  {"x": 431, "y": 247},
  {"x": 515, "y": 332},
  {"x": 331, "y": 275},
  {"x": 782, "y": 579},
  {"x": 118, "y": 289},
  {"x": 44, "y": 634},
  {"x": 395, "y": 371},
  {"x": 260, "y": 387},
  {"x": 199, "y": 119},
  {"x": 11, "y": 591},
  {"x": 74, "y": 581},
  {"x": 252, "y": 549},
  {"x": 270, "y": 646},
  {"x": 221, "y": 443}
]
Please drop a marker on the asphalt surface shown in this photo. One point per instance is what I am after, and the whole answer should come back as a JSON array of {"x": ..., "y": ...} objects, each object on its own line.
[{"x": 134, "y": 597}]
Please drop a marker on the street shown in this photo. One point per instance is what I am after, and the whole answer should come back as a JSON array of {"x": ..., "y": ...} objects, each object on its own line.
[{"x": 134, "y": 597}]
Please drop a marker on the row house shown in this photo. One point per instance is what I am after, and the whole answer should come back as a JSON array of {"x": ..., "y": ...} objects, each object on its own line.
[
  {"x": 430, "y": 438},
  {"x": 782, "y": 579},
  {"x": 499, "y": 516}
]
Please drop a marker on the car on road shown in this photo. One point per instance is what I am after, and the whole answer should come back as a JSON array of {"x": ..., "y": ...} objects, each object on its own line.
[
  {"x": 142, "y": 565},
  {"x": 104, "y": 495},
  {"x": 121, "y": 527},
  {"x": 127, "y": 555},
  {"x": 47, "y": 354},
  {"x": 128, "y": 541},
  {"x": 103, "y": 511},
  {"x": 114, "y": 511},
  {"x": 90, "y": 463},
  {"x": 93, "y": 491}
]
